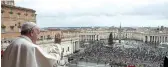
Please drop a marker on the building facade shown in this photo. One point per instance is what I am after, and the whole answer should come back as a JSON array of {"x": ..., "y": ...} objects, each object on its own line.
[
  {"x": 12, "y": 17},
  {"x": 145, "y": 35},
  {"x": 8, "y": 2}
]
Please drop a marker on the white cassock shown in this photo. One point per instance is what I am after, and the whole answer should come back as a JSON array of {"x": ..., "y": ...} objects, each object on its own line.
[{"x": 23, "y": 53}]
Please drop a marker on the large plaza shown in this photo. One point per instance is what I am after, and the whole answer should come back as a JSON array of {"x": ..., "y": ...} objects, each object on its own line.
[{"x": 138, "y": 54}]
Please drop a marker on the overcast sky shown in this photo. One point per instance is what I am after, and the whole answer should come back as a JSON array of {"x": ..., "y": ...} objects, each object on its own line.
[{"x": 69, "y": 13}]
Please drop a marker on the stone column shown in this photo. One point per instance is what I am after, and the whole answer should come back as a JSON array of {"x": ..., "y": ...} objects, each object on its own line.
[
  {"x": 89, "y": 37},
  {"x": 73, "y": 47},
  {"x": 82, "y": 37},
  {"x": 150, "y": 38},
  {"x": 166, "y": 39},
  {"x": 155, "y": 39},
  {"x": 160, "y": 39},
  {"x": 93, "y": 37},
  {"x": 86, "y": 37},
  {"x": 163, "y": 38}
]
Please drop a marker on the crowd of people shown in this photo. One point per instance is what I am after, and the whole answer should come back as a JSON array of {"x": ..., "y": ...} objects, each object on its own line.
[{"x": 146, "y": 56}]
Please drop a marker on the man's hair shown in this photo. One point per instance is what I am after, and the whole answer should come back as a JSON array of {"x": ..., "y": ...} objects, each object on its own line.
[
  {"x": 27, "y": 27},
  {"x": 24, "y": 32}
]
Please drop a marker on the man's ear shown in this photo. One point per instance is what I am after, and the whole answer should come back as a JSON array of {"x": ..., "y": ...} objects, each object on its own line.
[{"x": 31, "y": 33}]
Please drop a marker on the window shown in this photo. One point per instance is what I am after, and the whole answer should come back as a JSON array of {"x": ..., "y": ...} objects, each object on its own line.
[
  {"x": 3, "y": 2},
  {"x": 2, "y": 11},
  {"x": 48, "y": 37},
  {"x": 68, "y": 48},
  {"x": 12, "y": 27},
  {"x": 2, "y": 30},
  {"x": 10, "y": 12},
  {"x": 41, "y": 37},
  {"x": 32, "y": 15},
  {"x": 5, "y": 42},
  {"x": 3, "y": 26},
  {"x": 26, "y": 14},
  {"x": 18, "y": 13},
  {"x": 19, "y": 26},
  {"x": 8, "y": 41},
  {"x": 63, "y": 49}
]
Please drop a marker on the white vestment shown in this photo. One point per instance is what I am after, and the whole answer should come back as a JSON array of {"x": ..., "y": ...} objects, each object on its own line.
[{"x": 23, "y": 53}]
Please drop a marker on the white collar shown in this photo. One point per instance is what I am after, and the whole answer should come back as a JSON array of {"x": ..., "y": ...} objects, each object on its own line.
[{"x": 27, "y": 38}]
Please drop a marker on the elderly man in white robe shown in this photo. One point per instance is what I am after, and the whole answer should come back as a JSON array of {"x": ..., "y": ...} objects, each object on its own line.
[
  {"x": 56, "y": 49},
  {"x": 23, "y": 51}
]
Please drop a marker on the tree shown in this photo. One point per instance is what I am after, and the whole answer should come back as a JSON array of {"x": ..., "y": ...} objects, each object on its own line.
[{"x": 110, "y": 40}]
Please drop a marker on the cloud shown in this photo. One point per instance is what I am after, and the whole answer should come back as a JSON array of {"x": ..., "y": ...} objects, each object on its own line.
[
  {"x": 98, "y": 12},
  {"x": 156, "y": 10}
]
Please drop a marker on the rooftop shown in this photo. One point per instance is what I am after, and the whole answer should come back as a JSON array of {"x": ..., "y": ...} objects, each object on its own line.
[{"x": 17, "y": 7}]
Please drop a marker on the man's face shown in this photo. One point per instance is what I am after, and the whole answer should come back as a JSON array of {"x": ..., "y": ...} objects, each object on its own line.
[{"x": 35, "y": 32}]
